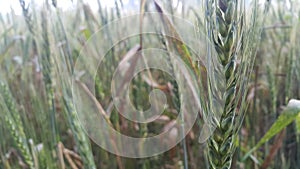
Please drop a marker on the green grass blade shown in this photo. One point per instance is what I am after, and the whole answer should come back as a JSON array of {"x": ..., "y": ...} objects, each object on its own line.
[{"x": 291, "y": 113}]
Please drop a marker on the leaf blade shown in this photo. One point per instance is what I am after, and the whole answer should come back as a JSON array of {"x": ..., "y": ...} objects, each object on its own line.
[{"x": 291, "y": 113}]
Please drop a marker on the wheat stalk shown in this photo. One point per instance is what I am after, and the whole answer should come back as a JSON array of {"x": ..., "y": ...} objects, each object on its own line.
[{"x": 47, "y": 64}]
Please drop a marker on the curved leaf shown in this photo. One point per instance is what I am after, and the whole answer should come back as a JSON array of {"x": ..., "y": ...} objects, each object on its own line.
[{"x": 290, "y": 113}]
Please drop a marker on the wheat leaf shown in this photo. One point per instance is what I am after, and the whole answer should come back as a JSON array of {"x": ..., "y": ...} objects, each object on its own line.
[
  {"x": 298, "y": 124},
  {"x": 291, "y": 113},
  {"x": 177, "y": 40}
]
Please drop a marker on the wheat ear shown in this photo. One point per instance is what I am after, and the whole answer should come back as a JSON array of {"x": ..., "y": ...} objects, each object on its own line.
[
  {"x": 15, "y": 125},
  {"x": 225, "y": 34}
]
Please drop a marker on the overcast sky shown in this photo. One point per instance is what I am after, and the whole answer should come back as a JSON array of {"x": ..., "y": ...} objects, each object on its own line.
[{"x": 5, "y": 5}]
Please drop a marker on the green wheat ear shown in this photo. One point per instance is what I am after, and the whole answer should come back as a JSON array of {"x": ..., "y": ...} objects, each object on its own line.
[
  {"x": 82, "y": 140},
  {"x": 14, "y": 124},
  {"x": 232, "y": 40},
  {"x": 225, "y": 34}
]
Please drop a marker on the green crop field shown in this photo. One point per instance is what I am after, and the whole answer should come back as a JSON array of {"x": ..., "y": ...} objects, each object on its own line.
[{"x": 150, "y": 84}]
